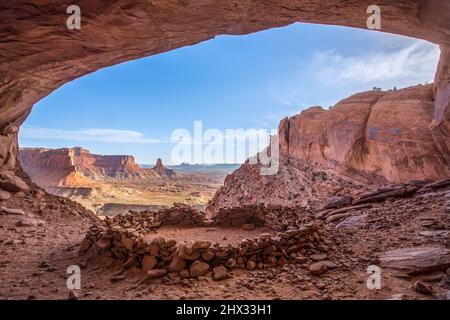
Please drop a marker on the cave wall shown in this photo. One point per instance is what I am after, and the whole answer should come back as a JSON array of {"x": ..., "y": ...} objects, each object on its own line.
[
  {"x": 38, "y": 53},
  {"x": 440, "y": 125}
]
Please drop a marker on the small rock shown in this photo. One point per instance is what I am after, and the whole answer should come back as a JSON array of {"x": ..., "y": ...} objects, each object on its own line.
[
  {"x": 157, "y": 273},
  {"x": 184, "y": 274},
  {"x": 251, "y": 265},
  {"x": 201, "y": 245},
  {"x": 177, "y": 264},
  {"x": 318, "y": 268},
  {"x": 4, "y": 195},
  {"x": 149, "y": 263},
  {"x": 282, "y": 261},
  {"x": 16, "y": 212},
  {"x": 117, "y": 278},
  {"x": 28, "y": 222},
  {"x": 301, "y": 258},
  {"x": 219, "y": 273},
  {"x": 73, "y": 295},
  {"x": 198, "y": 268},
  {"x": 207, "y": 255},
  {"x": 319, "y": 257},
  {"x": 423, "y": 288},
  {"x": 329, "y": 264}
]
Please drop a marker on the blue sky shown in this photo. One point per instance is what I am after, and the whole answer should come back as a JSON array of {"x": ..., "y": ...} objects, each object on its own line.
[{"x": 229, "y": 82}]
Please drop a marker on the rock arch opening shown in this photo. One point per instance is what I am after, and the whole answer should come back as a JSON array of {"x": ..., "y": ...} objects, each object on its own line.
[
  {"x": 75, "y": 167},
  {"x": 304, "y": 245}
]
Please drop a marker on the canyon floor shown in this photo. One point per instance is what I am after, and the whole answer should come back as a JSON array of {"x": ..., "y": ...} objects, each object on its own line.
[
  {"x": 41, "y": 236},
  {"x": 110, "y": 196}
]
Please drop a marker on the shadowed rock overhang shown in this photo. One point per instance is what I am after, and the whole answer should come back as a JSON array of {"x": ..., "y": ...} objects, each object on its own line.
[{"x": 38, "y": 53}]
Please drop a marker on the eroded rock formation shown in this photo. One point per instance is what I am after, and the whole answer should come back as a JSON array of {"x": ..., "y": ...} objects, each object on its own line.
[
  {"x": 39, "y": 53},
  {"x": 61, "y": 167},
  {"x": 371, "y": 138},
  {"x": 162, "y": 171},
  {"x": 382, "y": 133},
  {"x": 298, "y": 183}
]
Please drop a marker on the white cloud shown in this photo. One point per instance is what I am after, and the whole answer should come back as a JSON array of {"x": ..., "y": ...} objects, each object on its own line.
[
  {"x": 413, "y": 64},
  {"x": 329, "y": 76},
  {"x": 91, "y": 135}
]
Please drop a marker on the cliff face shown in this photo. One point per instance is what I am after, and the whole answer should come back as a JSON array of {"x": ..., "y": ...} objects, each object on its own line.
[
  {"x": 56, "y": 167},
  {"x": 370, "y": 138},
  {"x": 441, "y": 120},
  {"x": 100, "y": 166},
  {"x": 385, "y": 134}
]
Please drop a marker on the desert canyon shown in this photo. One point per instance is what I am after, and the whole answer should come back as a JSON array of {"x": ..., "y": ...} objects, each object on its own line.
[{"x": 364, "y": 183}]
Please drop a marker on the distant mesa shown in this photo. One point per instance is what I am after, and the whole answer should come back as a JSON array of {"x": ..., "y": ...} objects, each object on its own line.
[{"x": 76, "y": 166}]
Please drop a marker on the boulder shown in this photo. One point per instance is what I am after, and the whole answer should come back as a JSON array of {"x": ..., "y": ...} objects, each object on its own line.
[
  {"x": 186, "y": 253},
  {"x": 10, "y": 182},
  {"x": 318, "y": 268},
  {"x": 177, "y": 264},
  {"x": 208, "y": 255},
  {"x": 198, "y": 268},
  {"x": 219, "y": 273},
  {"x": 4, "y": 195},
  {"x": 149, "y": 263},
  {"x": 417, "y": 260}
]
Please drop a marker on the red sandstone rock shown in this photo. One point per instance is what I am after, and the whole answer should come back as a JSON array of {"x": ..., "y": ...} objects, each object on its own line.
[
  {"x": 149, "y": 263},
  {"x": 318, "y": 268},
  {"x": 382, "y": 133},
  {"x": 157, "y": 273},
  {"x": 198, "y": 269},
  {"x": 416, "y": 260},
  {"x": 10, "y": 182},
  {"x": 67, "y": 166},
  {"x": 219, "y": 273},
  {"x": 369, "y": 137}
]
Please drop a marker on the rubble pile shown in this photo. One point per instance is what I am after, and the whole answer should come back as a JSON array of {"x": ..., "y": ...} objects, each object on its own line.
[
  {"x": 277, "y": 218},
  {"x": 158, "y": 256},
  {"x": 178, "y": 214}
]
